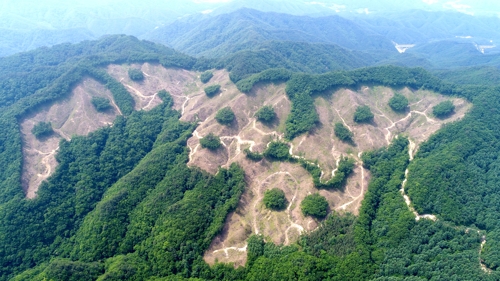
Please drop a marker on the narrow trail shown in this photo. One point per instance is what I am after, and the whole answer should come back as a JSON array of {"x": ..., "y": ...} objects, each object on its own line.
[
  {"x": 388, "y": 136},
  {"x": 191, "y": 150},
  {"x": 139, "y": 93},
  {"x": 362, "y": 192},
  {"x": 45, "y": 161},
  {"x": 61, "y": 134},
  {"x": 411, "y": 152},
  {"x": 225, "y": 250},
  {"x": 116, "y": 106},
  {"x": 481, "y": 262},
  {"x": 341, "y": 118},
  {"x": 255, "y": 210}
]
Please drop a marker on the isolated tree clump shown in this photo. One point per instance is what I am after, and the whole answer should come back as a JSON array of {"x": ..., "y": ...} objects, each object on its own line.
[
  {"x": 100, "y": 104},
  {"x": 274, "y": 199},
  {"x": 342, "y": 132},
  {"x": 314, "y": 205},
  {"x": 225, "y": 116},
  {"x": 398, "y": 102},
  {"x": 210, "y": 141},
  {"x": 42, "y": 129},
  {"x": 135, "y": 74},
  {"x": 363, "y": 114},
  {"x": 211, "y": 91},
  {"x": 443, "y": 109},
  {"x": 206, "y": 76},
  {"x": 277, "y": 150},
  {"x": 265, "y": 114}
]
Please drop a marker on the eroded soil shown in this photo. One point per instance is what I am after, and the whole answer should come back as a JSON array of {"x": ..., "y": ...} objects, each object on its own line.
[
  {"x": 284, "y": 227},
  {"x": 71, "y": 117},
  {"x": 74, "y": 115}
]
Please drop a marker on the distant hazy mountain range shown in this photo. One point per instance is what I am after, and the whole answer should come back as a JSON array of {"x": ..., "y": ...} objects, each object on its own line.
[{"x": 436, "y": 36}]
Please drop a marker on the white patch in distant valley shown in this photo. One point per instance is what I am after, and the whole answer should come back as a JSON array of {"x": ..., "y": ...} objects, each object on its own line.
[
  {"x": 462, "y": 8},
  {"x": 363, "y": 11}
]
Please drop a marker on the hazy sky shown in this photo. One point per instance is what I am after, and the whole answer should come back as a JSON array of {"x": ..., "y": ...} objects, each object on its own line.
[{"x": 473, "y": 7}]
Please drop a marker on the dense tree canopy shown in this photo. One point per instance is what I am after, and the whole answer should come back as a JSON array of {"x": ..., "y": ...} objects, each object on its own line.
[
  {"x": 123, "y": 205},
  {"x": 265, "y": 114},
  {"x": 398, "y": 102},
  {"x": 135, "y": 74},
  {"x": 206, "y": 76},
  {"x": 363, "y": 114},
  {"x": 210, "y": 141},
  {"x": 342, "y": 132},
  {"x": 443, "y": 109},
  {"x": 314, "y": 205},
  {"x": 42, "y": 130},
  {"x": 225, "y": 116},
  {"x": 211, "y": 91},
  {"x": 274, "y": 199},
  {"x": 101, "y": 104}
]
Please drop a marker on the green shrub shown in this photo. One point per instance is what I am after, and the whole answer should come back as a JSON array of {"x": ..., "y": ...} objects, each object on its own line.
[
  {"x": 277, "y": 151},
  {"x": 255, "y": 156},
  {"x": 314, "y": 205},
  {"x": 100, "y": 104},
  {"x": 363, "y": 114},
  {"x": 398, "y": 102},
  {"x": 443, "y": 109},
  {"x": 342, "y": 132},
  {"x": 225, "y": 116},
  {"x": 210, "y": 141},
  {"x": 211, "y": 91},
  {"x": 42, "y": 129},
  {"x": 206, "y": 76},
  {"x": 274, "y": 199},
  {"x": 265, "y": 114},
  {"x": 135, "y": 74}
]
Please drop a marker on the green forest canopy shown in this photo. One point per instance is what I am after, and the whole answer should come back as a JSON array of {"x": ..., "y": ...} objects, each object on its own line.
[{"x": 128, "y": 208}]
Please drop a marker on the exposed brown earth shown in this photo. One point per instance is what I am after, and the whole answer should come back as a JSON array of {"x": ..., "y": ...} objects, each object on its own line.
[
  {"x": 69, "y": 117},
  {"x": 284, "y": 227},
  {"x": 74, "y": 115}
]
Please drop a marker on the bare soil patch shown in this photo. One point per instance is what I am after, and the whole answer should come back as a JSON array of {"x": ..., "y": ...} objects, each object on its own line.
[
  {"x": 179, "y": 83},
  {"x": 74, "y": 115},
  {"x": 285, "y": 227}
]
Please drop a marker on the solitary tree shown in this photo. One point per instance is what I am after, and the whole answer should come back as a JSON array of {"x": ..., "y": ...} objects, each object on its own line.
[
  {"x": 342, "y": 132},
  {"x": 314, "y": 205},
  {"x": 225, "y": 116},
  {"x": 265, "y": 114},
  {"x": 443, "y": 109},
  {"x": 274, "y": 199},
  {"x": 210, "y": 141},
  {"x": 363, "y": 114},
  {"x": 206, "y": 76},
  {"x": 398, "y": 102},
  {"x": 42, "y": 129},
  {"x": 100, "y": 104},
  {"x": 277, "y": 150},
  {"x": 211, "y": 91},
  {"x": 135, "y": 74}
]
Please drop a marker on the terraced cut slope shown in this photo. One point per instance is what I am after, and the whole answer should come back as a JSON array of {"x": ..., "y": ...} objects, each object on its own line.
[
  {"x": 76, "y": 116},
  {"x": 284, "y": 227}
]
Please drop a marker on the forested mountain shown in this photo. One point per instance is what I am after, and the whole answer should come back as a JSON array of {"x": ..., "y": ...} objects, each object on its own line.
[
  {"x": 223, "y": 34},
  {"x": 250, "y": 129}
]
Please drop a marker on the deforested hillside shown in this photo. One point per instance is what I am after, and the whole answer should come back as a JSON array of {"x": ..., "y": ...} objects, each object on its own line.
[{"x": 126, "y": 160}]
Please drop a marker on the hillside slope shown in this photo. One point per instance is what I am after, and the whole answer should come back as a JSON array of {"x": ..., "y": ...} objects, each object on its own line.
[{"x": 218, "y": 36}]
